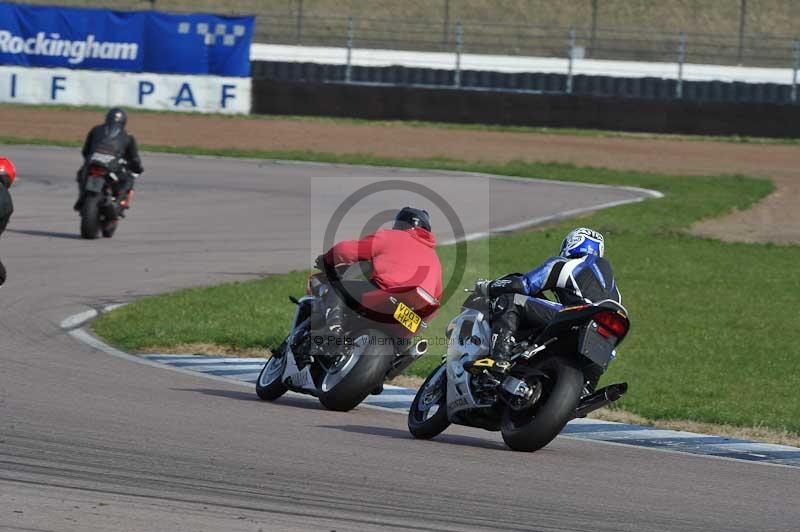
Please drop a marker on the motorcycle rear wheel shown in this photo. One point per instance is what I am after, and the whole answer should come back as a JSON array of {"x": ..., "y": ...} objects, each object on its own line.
[
  {"x": 364, "y": 369},
  {"x": 90, "y": 217},
  {"x": 432, "y": 395},
  {"x": 530, "y": 430}
]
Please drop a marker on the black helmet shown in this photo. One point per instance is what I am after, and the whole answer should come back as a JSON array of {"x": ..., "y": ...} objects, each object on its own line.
[
  {"x": 409, "y": 217},
  {"x": 116, "y": 117}
]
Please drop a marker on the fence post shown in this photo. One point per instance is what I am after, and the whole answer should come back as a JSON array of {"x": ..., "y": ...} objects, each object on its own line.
[
  {"x": 571, "y": 55},
  {"x": 459, "y": 47},
  {"x": 681, "y": 59},
  {"x": 593, "y": 38},
  {"x": 299, "y": 28},
  {"x": 446, "y": 25},
  {"x": 742, "y": 24},
  {"x": 795, "y": 68},
  {"x": 348, "y": 71}
]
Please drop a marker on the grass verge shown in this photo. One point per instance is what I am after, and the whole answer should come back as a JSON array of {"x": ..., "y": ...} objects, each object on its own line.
[{"x": 710, "y": 341}]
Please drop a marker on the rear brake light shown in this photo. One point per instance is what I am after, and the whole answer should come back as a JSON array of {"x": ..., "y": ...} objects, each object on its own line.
[
  {"x": 611, "y": 324},
  {"x": 426, "y": 296},
  {"x": 97, "y": 170}
]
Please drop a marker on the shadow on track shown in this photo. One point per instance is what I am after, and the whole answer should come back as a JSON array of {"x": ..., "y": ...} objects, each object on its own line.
[
  {"x": 49, "y": 234},
  {"x": 400, "y": 434},
  {"x": 293, "y": 402}
]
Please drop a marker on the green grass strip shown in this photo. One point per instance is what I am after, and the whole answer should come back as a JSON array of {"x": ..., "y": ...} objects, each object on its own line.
[
  {"x": 713, "y": 324},
  {"x": 709, "y": 340}
]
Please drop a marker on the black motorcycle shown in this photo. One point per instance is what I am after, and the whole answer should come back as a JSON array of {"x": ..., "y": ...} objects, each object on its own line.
[
  {"x": 551, "y": 381},
  {"x": 380, "y": 341},
  {"x": 102, "y": 209}
]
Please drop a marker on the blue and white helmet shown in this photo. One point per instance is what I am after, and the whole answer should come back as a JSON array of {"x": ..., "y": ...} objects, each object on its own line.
[{"x": 582, "y": 241}]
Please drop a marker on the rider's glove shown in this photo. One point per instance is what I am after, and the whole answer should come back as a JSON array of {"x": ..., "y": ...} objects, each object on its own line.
[
  {"x": 319, "y": 263},
  {"x": 482, "y": 287}
]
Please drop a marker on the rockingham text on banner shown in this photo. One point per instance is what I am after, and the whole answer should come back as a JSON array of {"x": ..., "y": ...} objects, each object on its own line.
[{"x": 136, "y": 41}]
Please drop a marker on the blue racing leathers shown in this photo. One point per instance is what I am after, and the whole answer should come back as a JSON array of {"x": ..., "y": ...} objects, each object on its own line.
[{"x": 520, "y": 304}]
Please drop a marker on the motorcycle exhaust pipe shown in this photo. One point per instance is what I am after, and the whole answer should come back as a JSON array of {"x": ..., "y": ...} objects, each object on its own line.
[
  {"x": 600, "y": 398},
  {"x": 407, "y": 358},
  {"x": 420, "y": 348}
]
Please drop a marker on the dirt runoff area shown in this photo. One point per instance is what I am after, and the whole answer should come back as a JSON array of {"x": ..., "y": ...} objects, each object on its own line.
[{"x": 776, "y": 219}]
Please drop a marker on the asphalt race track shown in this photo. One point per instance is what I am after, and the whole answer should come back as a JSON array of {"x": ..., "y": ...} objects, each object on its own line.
[{"x": 90, "y": 442}]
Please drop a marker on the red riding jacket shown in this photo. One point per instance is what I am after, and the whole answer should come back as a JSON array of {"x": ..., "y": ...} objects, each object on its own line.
[{"x": 400, "y": 258}]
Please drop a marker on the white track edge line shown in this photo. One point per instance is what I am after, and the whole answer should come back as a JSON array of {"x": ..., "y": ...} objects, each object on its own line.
[
  {"x": 76, "y": 320},
  {"x": 543, "y": 219}
]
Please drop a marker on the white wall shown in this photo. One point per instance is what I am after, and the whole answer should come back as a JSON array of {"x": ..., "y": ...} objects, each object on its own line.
[
  {"x": 507, "y": 63},
  {"x": 203, "y": 94}
]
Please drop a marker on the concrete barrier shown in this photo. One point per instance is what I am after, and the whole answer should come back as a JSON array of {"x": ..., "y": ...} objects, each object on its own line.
[{"x": 540, "y": 110}]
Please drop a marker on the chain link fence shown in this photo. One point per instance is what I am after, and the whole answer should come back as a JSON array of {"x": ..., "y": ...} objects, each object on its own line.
[
  {"x": 722, "y": 32},
  {"x": 745, "y": 32},
  {"x": 536, "y": 41},
  {"x": 752, "y": 38}
]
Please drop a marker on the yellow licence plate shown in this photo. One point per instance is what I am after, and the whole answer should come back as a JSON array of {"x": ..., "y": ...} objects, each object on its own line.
[{"x": 407, "y": 317}]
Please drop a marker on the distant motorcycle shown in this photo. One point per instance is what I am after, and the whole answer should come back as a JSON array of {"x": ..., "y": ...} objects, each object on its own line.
[
  {"x": 101, "y": 208},
  {"x": 551, "y": 380},
  {"x": 379, "y": 344}
]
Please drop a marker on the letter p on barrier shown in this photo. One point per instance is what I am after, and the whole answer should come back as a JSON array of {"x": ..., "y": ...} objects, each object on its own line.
[{"x": 146, "y": 88}]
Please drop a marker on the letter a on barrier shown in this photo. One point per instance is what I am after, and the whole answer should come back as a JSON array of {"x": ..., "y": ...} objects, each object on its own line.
[{"x": 185, "y": 95}]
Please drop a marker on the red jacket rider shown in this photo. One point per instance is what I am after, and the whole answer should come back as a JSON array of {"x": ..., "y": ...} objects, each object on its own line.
[{"x": 401, "y": 257}]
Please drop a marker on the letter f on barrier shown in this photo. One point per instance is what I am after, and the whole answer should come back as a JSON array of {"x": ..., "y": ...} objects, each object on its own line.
[
  {"x": 57, "y": 86},
  {"x": 226, "y": 95}
]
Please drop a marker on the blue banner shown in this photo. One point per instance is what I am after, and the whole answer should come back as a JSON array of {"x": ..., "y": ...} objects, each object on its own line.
[{"x": 136, "y": 41}]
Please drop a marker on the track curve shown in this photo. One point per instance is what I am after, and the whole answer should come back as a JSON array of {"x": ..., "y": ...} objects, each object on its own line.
[{"x": 91, "y": 442}]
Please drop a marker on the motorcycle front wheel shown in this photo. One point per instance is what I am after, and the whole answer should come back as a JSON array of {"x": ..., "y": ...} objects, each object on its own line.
[
  {"x": 269, "y": 385},
  {"x": 109, "y": 230},
  {"x": 532, "y": 428},
  {"x": 357, "y": 372},
  {"x": 427, "y": 417}
]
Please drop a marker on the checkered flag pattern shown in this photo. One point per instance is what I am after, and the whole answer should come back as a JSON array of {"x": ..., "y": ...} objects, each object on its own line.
[{"x": 225, "y": 33}]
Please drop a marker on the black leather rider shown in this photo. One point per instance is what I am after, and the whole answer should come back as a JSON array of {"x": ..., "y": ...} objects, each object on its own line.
[{"x": 111, "y": 138}]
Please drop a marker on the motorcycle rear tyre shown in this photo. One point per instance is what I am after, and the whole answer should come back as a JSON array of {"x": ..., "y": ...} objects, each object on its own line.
[
  {"x": 368, "y": 373},
  {"x": 90, "y": 218},
  {"x": 534, "y": 432}
]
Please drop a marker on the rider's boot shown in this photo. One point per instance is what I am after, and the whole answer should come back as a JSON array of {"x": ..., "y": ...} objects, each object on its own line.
[
  {"x": 326, "y": 339},
  {"x": 79, "y": 203},
  {"x": 330, "y": 335},
  {"x": 81, "y": 195},
  {"x": 301, "y": 346},
  {"x": 499, "y": 362}
]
